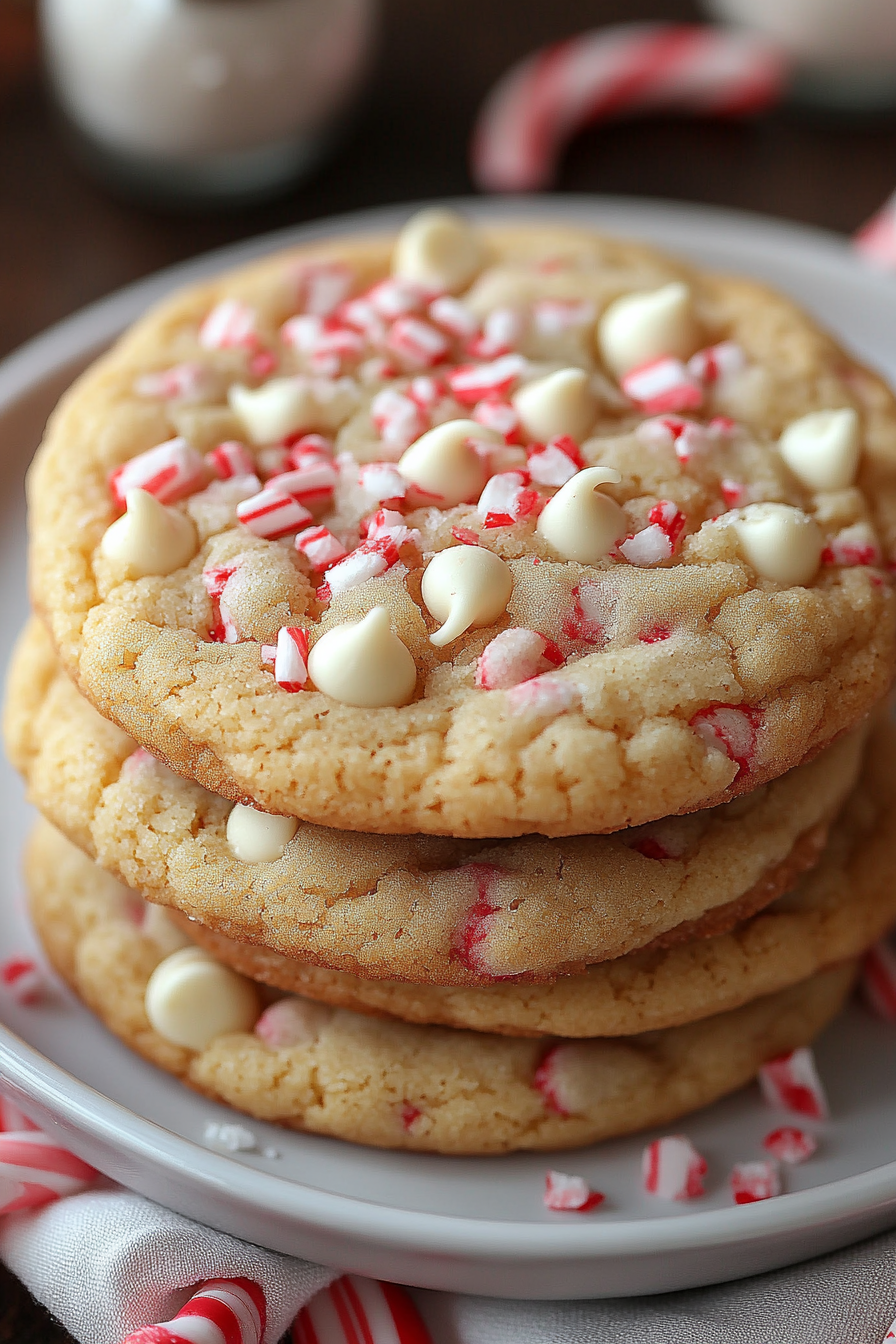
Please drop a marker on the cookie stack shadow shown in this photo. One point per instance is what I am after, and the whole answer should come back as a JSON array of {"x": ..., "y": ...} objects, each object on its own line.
[{"x": 456, "y": 996}]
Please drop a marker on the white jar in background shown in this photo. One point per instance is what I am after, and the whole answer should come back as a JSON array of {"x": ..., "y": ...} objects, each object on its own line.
[
  {"x": 845, "y": 50},
  {"x": 206, "y": 99}
]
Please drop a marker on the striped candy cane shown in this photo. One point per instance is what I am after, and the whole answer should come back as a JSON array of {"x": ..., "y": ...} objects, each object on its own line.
[
  {"x": 223, "y": 1311},
  {"x": 11, "y": 1118},
  {"x": 35, "y": 1171},
  {"x": 876, "y": 240},
  {"x": 628, "y": 69},
  {"x": 360, "y": 1311}
]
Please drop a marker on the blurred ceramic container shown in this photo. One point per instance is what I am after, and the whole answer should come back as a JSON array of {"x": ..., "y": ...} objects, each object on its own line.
[
  {"x": 844, "y": 50},
  {"x": 206, "y": 100}
]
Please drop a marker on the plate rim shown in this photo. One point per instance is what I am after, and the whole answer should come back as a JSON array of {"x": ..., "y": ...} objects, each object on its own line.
[{"x": 113, "y": 1124}]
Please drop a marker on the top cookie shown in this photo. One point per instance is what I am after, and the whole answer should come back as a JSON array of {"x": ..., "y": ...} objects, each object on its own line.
[{"x": 476, "y": 533}]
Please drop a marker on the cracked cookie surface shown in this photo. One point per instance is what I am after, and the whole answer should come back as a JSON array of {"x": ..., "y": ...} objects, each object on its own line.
[
  {"x": 666, "y": 679},
  {"x": 421, "y": 909},
  {"x": 393, "y": 1085}
]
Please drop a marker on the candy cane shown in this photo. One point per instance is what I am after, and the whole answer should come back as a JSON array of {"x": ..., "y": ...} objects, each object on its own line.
[
  {"x": 34, "y": 1171},
  {"x": 632, "y": 68},
  {"x": 876, "y": 240},
  {"x": 359, "y": 1311},
  {"x": 223, "y": 1311},
  {"x": 11, "y": 1118}
]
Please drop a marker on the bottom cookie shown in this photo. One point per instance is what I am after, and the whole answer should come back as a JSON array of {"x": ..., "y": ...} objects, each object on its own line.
[{"x": 395, "y": 1085}]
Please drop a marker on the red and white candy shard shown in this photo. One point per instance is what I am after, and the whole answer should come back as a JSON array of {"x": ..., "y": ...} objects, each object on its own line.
[
  {"x": 878, "y": 981},
  {"x": 382, "y": 483},
  {"x": 170, "y": 471},
  {"x": 360, "y": 1311},
  {"x": 717, "y": 362},
  {"x": 398, "y": 419},
  {"x": 752, "y": 1181},
  {"x": 272, "y": 514},
  {"x": 501, "y": 331},
  {"x": 367, "y": 561},
  {"x": 792, "y": 1083},
  {"x": 507, "y": 499},
  {"x": 182, "y": 382},
  {"x": 473, "y": 382},
  {"x": 569, "y": 1194},
  {"x": 230, "y": 459},
  {"x": 223, "y": 1311},
  {"x": 544, "y": 695},
  {"x": 552, "y": 317},
  {"x": 323, "y": 286},
  {"x": 231, "y": 324},
  {"x": 657, "y": 541},
  {"x": 320, "y": 546},
  {"x": 891, "y": 1333},
  {"x": 665, "y": 384},
  {"x": 34, "y": 1171},
  {"x": 729, "y": 729},
  {"x": 673, "y": 1169},
  {"x": 22, "y": 978},
  {"x": 312, "y": 483},
  {"x": 556, "y": 462},
  {"x": 418, "y": 343},
  {"x": 454, "y": 317},
  {"x": 291, "y": 663},
  {"x": 514, "y": 656},
  {"x": 790, "y": 1145},
  {"x": 472, "y": 932},
  {"x": 500, "y": 415},
  {"x": 552, "y": 1079},
  {"x": 393, "y": 297},
  {"x": 856, "y": 545}
]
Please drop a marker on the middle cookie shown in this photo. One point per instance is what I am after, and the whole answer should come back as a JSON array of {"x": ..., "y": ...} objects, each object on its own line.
[{"x": 421, "y": 909}]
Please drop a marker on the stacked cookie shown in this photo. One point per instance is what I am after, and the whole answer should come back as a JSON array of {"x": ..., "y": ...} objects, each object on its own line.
[{"x": 464, "y": 644}]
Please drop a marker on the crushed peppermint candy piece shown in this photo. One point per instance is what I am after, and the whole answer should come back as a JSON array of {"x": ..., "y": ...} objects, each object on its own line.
[
  {"x": 856, "y": 545},
  {"x": 514, "y": 656},
  {"x": 752, "y": 1181},
  {"x": 182, "y": 382},
  {"x": 498, "y": 414},
  {"x": 291, "y": 663},
  {"x": 389, "y": 523},
  {"x": 735, "y": 493},
  {"x": 792, "y": 1083},
  {"x": 658, "y": 540},
  {"x": 717, "y": 362},
  {"x": 664, "y": 384},
  {"x": 382, "y": 482},
  {"x": 23, "y": 980},
  {"x": 393, "y": 298},
  {"x": 418, "y": 343},
  {"x": 311, "y": 484},
  {"x": 790, "y": 1145},
  {"x": 507, "y": 499},
  {"x": 232, "y": 1138},
  {"x": 472, "y": 382},
  {"x": 569, "y": 1194},
  {"x": 587, "y": 620},
  {"x": 553, "y": 317},
  {"x": 230, "y": 324},
  {"x": 878, "y": 981},
  {"x": 729, "y": 728},
  {"x": 170, "y": 471},
  {"x": 551, "y": 1081},
  {"x": 556, "y": 462},
  {"x": 308, "y": 448},
  {"x": 672, "y": 1168},
  {"x": 323, "y": 286},
  {"x": 230, "y": 459},
  {"x": 320, "y": 547},
  {"x": 471, "y": 935},
  {"x": 454, "y": 317},
  {"x": 544, "y": 695},
  {"x": 501, "y": 330},
  {"x": 367, "y": 561},
  {"x": 398, "y": 418},
  {"x": 272, "y": 514}
]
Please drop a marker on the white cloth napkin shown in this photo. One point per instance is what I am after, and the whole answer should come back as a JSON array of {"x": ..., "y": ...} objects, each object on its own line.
[{"x": 107, "y": 1261}]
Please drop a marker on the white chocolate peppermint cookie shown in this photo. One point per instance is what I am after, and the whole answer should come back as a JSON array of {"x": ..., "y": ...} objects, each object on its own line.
[
  {"x": 692, "y": 487},
  {"x": 393, "y": 1085},
  {"x": 422, "y": 909}
]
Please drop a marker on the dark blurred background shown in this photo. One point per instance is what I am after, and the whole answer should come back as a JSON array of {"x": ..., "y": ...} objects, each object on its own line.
[{"x": 65, "y": 240}]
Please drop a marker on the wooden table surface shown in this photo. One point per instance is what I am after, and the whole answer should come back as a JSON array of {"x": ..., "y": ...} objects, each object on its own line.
[{"x": 65, "y": 241}]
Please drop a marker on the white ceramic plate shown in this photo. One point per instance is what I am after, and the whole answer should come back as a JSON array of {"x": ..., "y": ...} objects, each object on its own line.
[{"x": 471, "y": 1225}]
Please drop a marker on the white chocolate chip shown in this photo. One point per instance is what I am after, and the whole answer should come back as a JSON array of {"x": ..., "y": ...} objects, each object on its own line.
[
  {"x": 258, "y": 837},
  {"x": 363, "y": 663},
  {"x": 282, "y": 406},
  {"x": 443, "y": 465},
  {"x": 560, "y": 403},
  {"x": 150, "y": 538},
  {"x": 191, "y": 999},
  {"x": 465, "y": 587},
  {"x": 823, "y": 449},
  {"x": 580, "y": 522},
  {"x": 643, "y": 326},
  {"x": 780, "y": 542},
  {"x": 160, "y": 928},
  {"x": 439, "y": 249}
]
